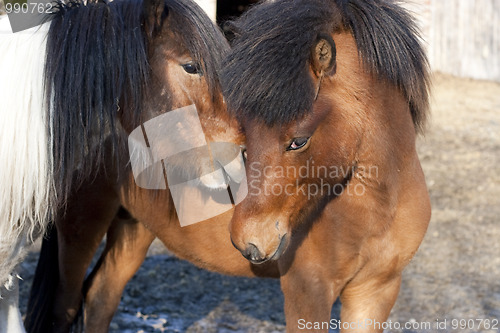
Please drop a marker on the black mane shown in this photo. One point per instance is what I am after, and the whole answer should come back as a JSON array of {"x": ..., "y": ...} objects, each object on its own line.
[
  {"x": 97, "y": 68},
  {"x": 266, "y": 75}
]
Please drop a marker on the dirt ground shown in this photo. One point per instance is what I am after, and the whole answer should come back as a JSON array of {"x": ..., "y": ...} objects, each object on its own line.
[{"x": 455, "y": 274}]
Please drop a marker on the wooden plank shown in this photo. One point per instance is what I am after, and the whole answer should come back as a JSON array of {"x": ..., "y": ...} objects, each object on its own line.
[{"x": 462, "y": 36}]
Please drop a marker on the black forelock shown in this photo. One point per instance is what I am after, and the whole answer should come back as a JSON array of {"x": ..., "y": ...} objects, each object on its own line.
[{"x": 266, "y": 75}]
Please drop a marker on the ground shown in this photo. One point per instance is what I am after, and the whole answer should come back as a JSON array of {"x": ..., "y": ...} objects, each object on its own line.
[{"x": 455, "y": 274}]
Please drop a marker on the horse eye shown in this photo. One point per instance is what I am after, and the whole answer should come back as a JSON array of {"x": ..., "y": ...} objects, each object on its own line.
[
  {"x": 297, "y": 143},
  {"x": 192, "y": 68}
]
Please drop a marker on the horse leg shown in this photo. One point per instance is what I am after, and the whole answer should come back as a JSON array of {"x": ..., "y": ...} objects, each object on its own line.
[
  {"x": 314, "y": 271},
  {"x": 10, "y": 317},
  {"x": 309, "y": 299},
  {"x": 313, "y": 277},
  {"x": 127, "y": 243},
  {"x": 79, "y": 234},
  {"x": 366, "y": 306}
]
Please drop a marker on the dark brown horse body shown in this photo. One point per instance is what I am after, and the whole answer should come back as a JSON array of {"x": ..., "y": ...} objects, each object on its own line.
[
  {"x": 330, "y": 95},
  {"x": 206, "y": 244},
  {"x": 337, "y": 196}
]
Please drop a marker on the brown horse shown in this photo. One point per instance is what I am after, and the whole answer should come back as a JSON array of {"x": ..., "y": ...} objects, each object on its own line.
[
  {"x": 331, "y": 96},
  {"x": 184, "y": 50},
  {"x": 337, "y": 86}
]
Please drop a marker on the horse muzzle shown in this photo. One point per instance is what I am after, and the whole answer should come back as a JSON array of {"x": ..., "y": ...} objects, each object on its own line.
[{"x": 255, "y": 255}]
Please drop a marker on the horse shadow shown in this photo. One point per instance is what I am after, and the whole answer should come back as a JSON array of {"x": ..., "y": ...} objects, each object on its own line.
[
  {"x": 172, "y": 295},
  {"x": 168, "y": 294}
]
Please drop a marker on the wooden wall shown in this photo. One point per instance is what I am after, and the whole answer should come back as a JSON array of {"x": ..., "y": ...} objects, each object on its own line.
[{"x": 462, "y": 36}]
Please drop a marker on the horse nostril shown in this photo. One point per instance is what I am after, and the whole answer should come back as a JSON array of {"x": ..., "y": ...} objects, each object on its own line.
[{"x": 252, "y": 253}]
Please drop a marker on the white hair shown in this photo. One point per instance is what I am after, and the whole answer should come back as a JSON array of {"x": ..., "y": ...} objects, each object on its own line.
[{"x": 27, "y": 194}]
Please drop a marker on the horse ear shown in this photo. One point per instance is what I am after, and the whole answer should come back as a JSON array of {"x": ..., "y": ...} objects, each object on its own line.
[
  {"x": 154, "y": 12},
  {"x": 323, "y": 56}
]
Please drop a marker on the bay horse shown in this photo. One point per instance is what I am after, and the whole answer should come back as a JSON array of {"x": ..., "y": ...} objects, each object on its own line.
[
  {"x": 331, "y": 96},
  {"x": 72, "y": 90}
]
